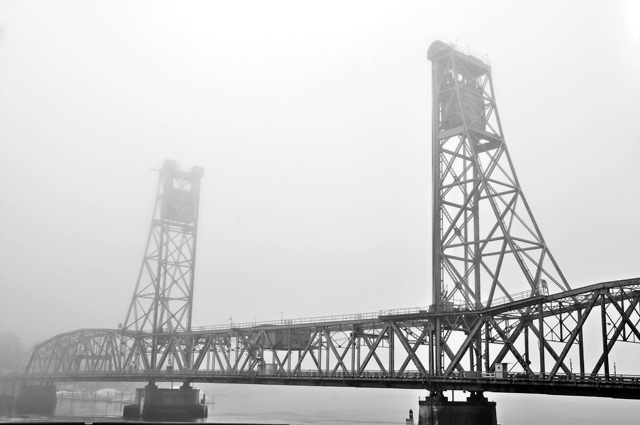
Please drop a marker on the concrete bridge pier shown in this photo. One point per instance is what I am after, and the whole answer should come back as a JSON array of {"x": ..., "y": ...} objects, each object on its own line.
[
  {"x": 34, "y": 398},
  {"x": 436, "y": 409},
  {"x": 164, "y": 403},
  {"x": 8, "y": 392}
]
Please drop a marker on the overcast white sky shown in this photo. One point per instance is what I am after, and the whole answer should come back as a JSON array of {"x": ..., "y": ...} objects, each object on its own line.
[{"x": 312, "y": 122}]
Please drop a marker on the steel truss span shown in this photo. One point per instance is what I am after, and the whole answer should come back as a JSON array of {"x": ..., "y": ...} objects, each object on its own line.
[{"x": 566, "y": 343}]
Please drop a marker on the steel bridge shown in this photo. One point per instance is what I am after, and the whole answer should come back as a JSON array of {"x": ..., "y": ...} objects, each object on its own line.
[{"x": 503, "y": 316}]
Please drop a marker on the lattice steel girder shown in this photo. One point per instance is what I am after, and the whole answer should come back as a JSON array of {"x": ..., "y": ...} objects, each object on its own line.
[
  {"x": 620, "y": 386},
  {"x": 389, "y": 347},
  {"x": 486, "y": 242},
  {"x": 163, "y": 297}
]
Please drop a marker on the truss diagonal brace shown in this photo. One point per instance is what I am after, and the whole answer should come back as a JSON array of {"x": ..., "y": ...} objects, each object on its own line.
[
  {"x": 508, "y": 344},
  {"x": 572, "y": 337},
  {"x": 475, "y": 328},
  {"x": 407, "y": 347}
]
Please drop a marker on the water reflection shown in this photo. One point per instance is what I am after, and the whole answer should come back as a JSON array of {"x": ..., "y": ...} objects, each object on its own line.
[
  {"x": 68, "y": 410},
  {"x": 78, "y": 410},
  {"x": 240, "y": 404},
  {"x": 102, "y": 409}
]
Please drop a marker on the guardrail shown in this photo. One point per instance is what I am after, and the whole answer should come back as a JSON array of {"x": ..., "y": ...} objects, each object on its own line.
[
  {"x": 453, "y": 306},
  {"x": 468, "y": 52},
  {"x": 398, "y": 311},
  {"x": 289, "y": 322},
  {"x": 412, "y": 375},
  {"x": 519, "y": 296}
]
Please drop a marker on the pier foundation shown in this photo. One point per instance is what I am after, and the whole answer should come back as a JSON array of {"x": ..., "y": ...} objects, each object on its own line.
[
  {"x": 438, "y": 410},
  {"x": 162, "y": 403},
  {"x": 40, "y": 399},
  {"x": 8, "y": 392}
]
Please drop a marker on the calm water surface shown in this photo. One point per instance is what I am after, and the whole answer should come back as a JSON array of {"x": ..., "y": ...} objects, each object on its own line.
[
  {"x": 242, "y": 405},
  {"x": 255, "y": 404},
  {"x": 90, "y": 411}
]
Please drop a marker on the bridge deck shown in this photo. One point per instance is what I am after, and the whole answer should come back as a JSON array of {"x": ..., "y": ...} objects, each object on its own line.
[
  {"x": 618, "y": 386},
  {"x": 536, "y": 342}
]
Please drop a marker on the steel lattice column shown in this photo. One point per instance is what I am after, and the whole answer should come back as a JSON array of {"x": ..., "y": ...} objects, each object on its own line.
[
  {"x": 487, "y": 247},
  {"x": 163, "y": 297}
]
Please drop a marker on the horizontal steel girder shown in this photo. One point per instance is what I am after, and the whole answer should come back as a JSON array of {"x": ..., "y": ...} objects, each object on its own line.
[
  {"x": 620, "y": 386},
  {"x": 390, "y": 350}
]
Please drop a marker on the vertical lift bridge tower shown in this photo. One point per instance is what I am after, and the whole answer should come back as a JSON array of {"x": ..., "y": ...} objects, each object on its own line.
[{"x": 487, "y": 247}]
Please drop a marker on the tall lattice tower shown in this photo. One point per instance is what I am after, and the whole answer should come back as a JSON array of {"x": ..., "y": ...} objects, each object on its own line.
[
  {"x": 487, "y": 247},
  {"x": 163, "y": 297}
]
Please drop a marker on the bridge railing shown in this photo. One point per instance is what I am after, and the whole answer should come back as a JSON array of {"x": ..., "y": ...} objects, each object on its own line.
[
  {"x": 456, "y": 305},
  {"x": 411, "y": 375},
  {"x": 399, "y": 311},
  {"x": 530, "y": 293},
  {"x": 467, "y": 51},
  {"x": 289, "y": 322}
]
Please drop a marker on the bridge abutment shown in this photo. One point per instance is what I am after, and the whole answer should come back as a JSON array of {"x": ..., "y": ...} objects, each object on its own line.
[
  {"x": 40, "y": 399},
  {"x": 165, "y": 403},
  {"x": 438, "y": 410}
]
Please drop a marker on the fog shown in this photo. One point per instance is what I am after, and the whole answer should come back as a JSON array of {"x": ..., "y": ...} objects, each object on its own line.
[
  {"x": 312, "y": 123},
  {"x": 313, "y": 126}
]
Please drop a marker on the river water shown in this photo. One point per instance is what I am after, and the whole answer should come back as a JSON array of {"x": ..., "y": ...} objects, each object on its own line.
[
  {"x": 247, "y": 404},
  {"x": 255, "y": 404},
  {"x": 90, "y": 411}
]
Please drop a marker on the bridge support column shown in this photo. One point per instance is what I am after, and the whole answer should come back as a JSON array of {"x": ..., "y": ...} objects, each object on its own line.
[
  {"x": 39, "y": 399},
  {"x": 438, "y": 410},
  {"x": 8, "y": 392},
  {"x": 160, "y": 403}
]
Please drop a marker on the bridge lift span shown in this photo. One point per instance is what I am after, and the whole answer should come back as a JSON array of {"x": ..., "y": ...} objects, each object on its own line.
[{"x": 503, "y": 317}]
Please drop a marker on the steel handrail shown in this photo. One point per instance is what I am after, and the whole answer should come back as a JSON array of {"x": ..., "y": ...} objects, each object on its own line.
[{"x": 314, "y": 373}]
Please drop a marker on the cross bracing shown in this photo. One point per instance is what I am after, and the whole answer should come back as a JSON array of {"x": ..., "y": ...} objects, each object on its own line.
[
  {"x": 573, "y": 338},
  {"x": 163, "y": 295},
  {"x": 486, "y": 242}
]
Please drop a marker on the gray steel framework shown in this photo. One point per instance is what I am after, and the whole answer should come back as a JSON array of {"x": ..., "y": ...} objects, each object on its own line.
[
  {"x": 492, "y": 306},
  {"x": 486, "y": 242},
  {"x": 163, "y": 295},
  {"x": 542, "y": 339}
]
